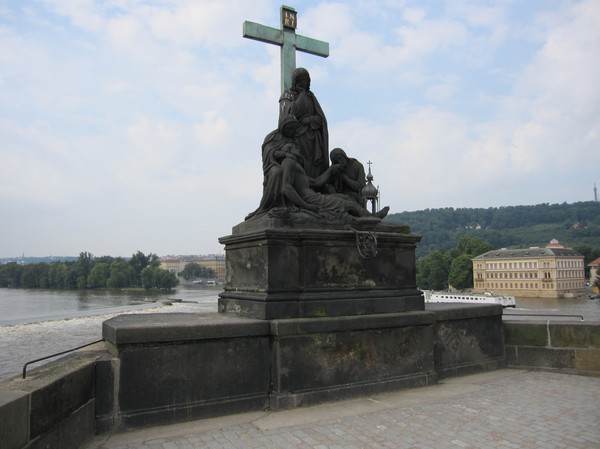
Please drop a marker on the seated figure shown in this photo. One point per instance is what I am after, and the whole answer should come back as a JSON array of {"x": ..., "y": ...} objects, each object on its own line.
[
  {"x": 297, "y": 190},
  {"x": 274, "y": 149},
  {"x": 350, "y": 179}
]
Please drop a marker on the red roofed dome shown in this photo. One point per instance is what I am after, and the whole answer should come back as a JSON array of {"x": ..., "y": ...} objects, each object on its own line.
[{"x": 555, "y": 244}]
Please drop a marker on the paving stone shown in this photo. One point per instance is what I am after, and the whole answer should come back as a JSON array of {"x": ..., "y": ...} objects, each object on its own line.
[{"x": 509, "y": 410}]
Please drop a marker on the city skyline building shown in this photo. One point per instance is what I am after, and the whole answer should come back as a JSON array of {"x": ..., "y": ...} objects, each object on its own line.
[
  {"x": 177, "y": 264},
  {"x": 554, "y": 271}
]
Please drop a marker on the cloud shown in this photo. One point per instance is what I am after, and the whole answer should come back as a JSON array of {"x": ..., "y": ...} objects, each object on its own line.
[
  {"x": 85, "y": 14},
  {"x": 191, "y": 23},
  {"x": 404, "y": 38},
  {"x": 139, "y": 125},
  {"x": 211, "y": 130},
  {"x": 443, "y": 90},
  {"x": 557, "y": 94},
  {"x": 415, "y": 159},
  {"x": 34, "y": 161}
]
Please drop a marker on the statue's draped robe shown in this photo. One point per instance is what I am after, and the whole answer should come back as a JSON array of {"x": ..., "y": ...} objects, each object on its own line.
[
  {"x": 355, "y": 171},
  {"x": 273, "y": 152},
  {"x": 333, "y": 206},
  {"x": 312, "y": 136}
]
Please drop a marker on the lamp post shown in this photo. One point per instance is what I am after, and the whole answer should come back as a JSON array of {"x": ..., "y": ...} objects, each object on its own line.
[{"x": 370, "y": 192}]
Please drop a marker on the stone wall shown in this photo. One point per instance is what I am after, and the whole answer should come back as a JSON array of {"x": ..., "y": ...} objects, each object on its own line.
[
  {"x": 179, "y": 367},
  {"x": 566, "y": 346},
  {"x": 54, "y": 407},
  {"x": 62, "y": 404},
  {"x": 468, "y": 339},
  {"x": 175, "y": 367}
]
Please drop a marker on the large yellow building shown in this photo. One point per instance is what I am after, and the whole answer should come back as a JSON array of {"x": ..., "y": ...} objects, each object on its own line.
[
  {"x": 550, "y": 272},
  {"x": 172, "y": 265},
  {"x": 217, "y": 264}
]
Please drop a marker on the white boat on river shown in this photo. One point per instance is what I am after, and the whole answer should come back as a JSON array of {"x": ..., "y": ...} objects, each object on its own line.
[{"x": 469, "y": 298}]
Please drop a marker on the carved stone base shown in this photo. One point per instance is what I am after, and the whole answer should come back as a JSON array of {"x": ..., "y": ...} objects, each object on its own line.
[{"x": 276, "y": 269}]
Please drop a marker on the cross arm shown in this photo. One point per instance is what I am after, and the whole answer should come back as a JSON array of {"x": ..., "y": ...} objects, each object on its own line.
[
  {"x": 312, "y": 46},
  {"x": 263, "y": 33}
]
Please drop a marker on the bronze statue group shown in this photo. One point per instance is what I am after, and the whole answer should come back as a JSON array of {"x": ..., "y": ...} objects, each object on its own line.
[{"x": 296, "y": 162}]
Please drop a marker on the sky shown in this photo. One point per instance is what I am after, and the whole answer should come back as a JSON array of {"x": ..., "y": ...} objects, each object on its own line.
[{"x": 136, "y": 125}]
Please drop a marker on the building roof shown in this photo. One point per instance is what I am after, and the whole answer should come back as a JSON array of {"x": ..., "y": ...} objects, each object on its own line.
[
  {"x": 594, "y": 263},
  {"x": 529, "y": 253},
  {"x": 555, "y": 244}
]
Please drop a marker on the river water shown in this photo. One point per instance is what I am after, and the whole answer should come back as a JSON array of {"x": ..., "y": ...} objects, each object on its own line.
[
  {"x": 567, "y": 309},
  {"x": 19, "y": 306},
  {"x": 29, "y": 306},
  {"x": 37, "y": 323}
]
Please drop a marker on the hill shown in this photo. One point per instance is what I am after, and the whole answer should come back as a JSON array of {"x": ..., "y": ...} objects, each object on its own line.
[{"x": 575, "y": 225}]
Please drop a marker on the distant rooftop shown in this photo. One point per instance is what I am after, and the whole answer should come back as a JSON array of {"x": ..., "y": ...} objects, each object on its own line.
[{"x": 554, "y": 248}]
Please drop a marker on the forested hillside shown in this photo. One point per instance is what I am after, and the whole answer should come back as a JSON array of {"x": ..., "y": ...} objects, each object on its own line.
[{"x": 575, "y": 225}]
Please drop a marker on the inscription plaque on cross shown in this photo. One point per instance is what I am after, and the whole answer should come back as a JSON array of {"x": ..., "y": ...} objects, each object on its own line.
[{"x": 288, "y": 40}]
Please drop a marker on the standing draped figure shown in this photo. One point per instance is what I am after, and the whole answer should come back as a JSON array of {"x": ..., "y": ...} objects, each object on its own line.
[{"x": 311, "y": 136}]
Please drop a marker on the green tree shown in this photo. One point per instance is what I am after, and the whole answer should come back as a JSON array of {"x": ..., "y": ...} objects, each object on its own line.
[
  {"x": 589, "y": 254},
  {"x": 105, "y": 259},
  {"x": 35, "y": 275},
  {"x": 148, "y": 277},
  {"x": 191, "y": 271},
  {"x": 121, "y": 274},
  {"x": 461, "y": 272},
  {"x": 57, "y": 275},
  {"x": 153, "y": 260},
  {"x": 472, "y": 245},
  {"x": 505, "y": 227},
  {"x": 432, "y": 271},
  {"x": 10, "y": 275},
  {"x": 99, "y": 274},
  {"x": 82, "y": 268},
  {"x": 158, "y": 278},
  {"x": 72, "y": 276},
  {"x": 139, "y": 261},
  {"x": 89, "y": 272},
  {"x": 165, "y": 279}
]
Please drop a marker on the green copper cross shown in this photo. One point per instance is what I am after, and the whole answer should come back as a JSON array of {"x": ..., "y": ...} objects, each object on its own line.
[{"x": 288, "y": 40}]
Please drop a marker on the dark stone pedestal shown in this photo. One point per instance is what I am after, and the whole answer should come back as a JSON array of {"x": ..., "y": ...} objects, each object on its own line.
[
  {"x": 276, "y": 270},
  {"x": 313, "y": 313}
]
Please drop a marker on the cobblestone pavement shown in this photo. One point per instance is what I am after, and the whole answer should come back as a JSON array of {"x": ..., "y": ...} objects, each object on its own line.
[{"x": 495, "y": 410}]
